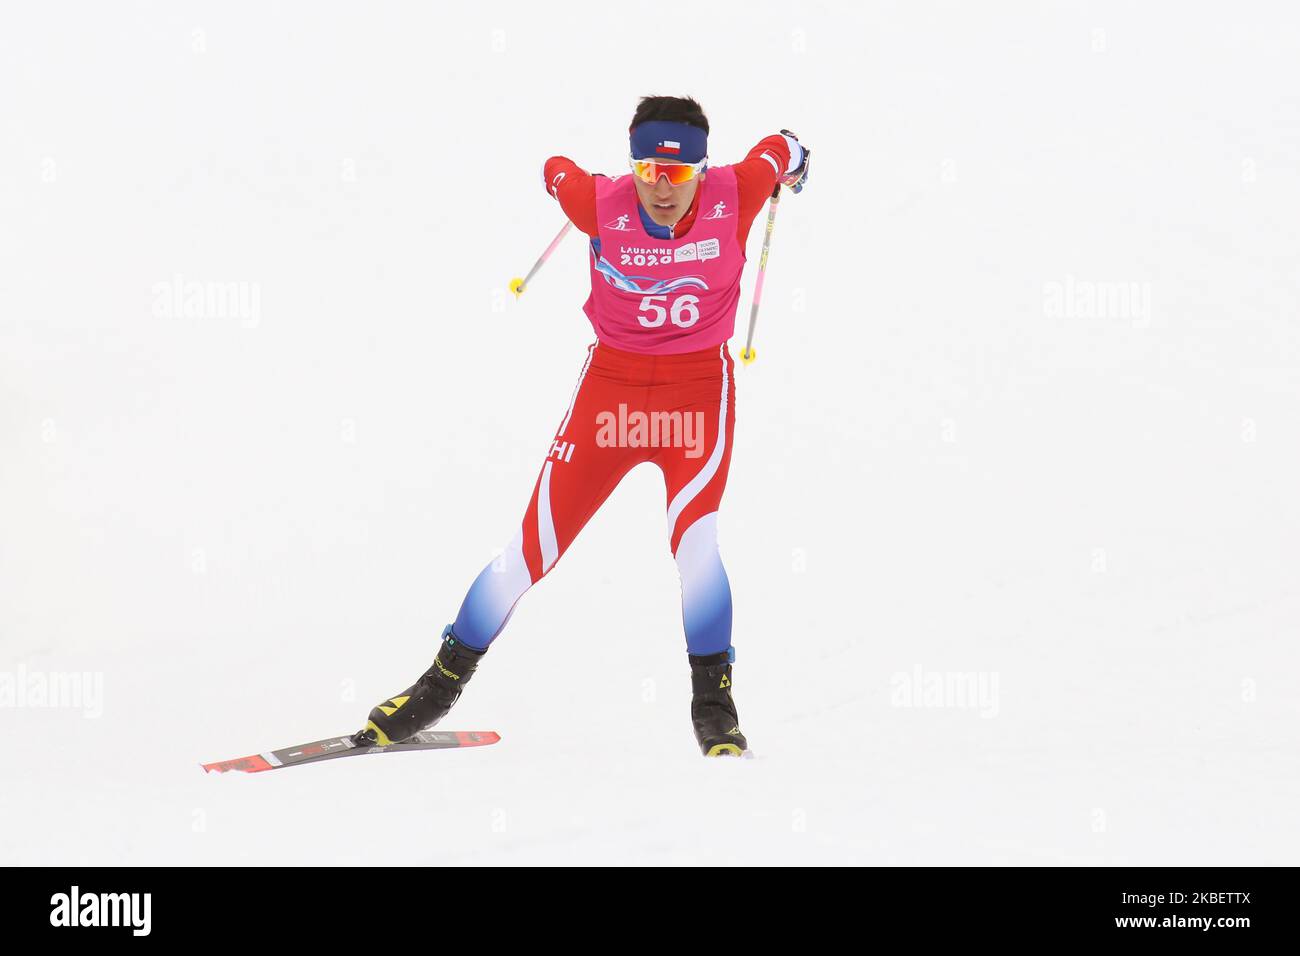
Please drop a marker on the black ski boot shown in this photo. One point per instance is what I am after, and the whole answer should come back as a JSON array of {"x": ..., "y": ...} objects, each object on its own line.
[
  {"x": 713, "y": 712},
  {"x": 425, "y": 702}
]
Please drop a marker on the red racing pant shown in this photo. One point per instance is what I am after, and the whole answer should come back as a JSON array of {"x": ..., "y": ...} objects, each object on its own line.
[{"x": 677, "y": 411}]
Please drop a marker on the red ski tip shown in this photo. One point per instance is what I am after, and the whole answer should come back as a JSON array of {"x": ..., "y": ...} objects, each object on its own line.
[
  {"x": 251, "y": 764},
  {"x": 477, "y": 738}
]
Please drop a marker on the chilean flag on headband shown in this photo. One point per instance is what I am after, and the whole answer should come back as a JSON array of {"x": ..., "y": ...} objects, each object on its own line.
[{"x": 681, "y": 141}]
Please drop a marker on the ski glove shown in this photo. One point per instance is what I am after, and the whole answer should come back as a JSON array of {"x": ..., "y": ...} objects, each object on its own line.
[{"x": 797, "y": 175}]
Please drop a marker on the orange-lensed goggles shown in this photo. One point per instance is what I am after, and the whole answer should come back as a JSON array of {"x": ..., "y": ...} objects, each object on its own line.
[{"x": 649, "y": 170}]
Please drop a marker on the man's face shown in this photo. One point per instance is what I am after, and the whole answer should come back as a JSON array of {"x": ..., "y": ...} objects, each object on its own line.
[{"x": 665, "y": 202}]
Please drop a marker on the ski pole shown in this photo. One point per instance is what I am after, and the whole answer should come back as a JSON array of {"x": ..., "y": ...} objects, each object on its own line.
[
  {"x": 749, "y": 354},
  {"x": 518, "y": 285}
]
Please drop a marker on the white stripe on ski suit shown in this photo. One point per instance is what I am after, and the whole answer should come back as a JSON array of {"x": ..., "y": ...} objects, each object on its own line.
[
  {"x": 545, "y": 523},
  {"x": 705, "y": 474},
  {"x": 591, "y": 350}
]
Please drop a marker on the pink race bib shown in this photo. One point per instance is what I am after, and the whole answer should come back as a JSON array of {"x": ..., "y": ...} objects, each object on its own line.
[{"x": 665, "y": 296}]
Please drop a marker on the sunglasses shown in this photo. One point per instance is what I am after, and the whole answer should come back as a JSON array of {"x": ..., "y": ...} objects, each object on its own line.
[{"x": 649, "y": 170}]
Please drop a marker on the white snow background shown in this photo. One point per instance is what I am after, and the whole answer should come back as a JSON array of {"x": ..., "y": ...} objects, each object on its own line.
[{"x": 1025, "y": 413}]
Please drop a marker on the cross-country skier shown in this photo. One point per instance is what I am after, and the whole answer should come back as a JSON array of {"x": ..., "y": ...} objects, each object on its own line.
[{"x": 657, "y": 385}]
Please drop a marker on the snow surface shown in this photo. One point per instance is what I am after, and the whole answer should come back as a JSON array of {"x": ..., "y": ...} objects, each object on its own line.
[{"x": 252, "y": 527}]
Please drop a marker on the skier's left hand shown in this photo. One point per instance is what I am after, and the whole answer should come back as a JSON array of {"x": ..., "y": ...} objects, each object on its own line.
[{"x": 797, "y": 175}]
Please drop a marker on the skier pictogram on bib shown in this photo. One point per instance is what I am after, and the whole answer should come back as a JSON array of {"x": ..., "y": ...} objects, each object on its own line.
[{"x": 719, "y": 212}]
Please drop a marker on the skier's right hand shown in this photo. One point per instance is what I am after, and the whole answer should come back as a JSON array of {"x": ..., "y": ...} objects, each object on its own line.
[{"x": 797, "y": 174}]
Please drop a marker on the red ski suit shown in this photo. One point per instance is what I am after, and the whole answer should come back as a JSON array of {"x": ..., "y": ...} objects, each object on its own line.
[{"x": 674, "y": 405}]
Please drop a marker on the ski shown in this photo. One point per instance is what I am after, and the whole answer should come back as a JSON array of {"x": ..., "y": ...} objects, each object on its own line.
[{"x": 332, "y": 747}]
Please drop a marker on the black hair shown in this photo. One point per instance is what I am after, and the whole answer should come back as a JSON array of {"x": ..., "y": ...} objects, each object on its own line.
[{"x": 677, "y": 109}]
